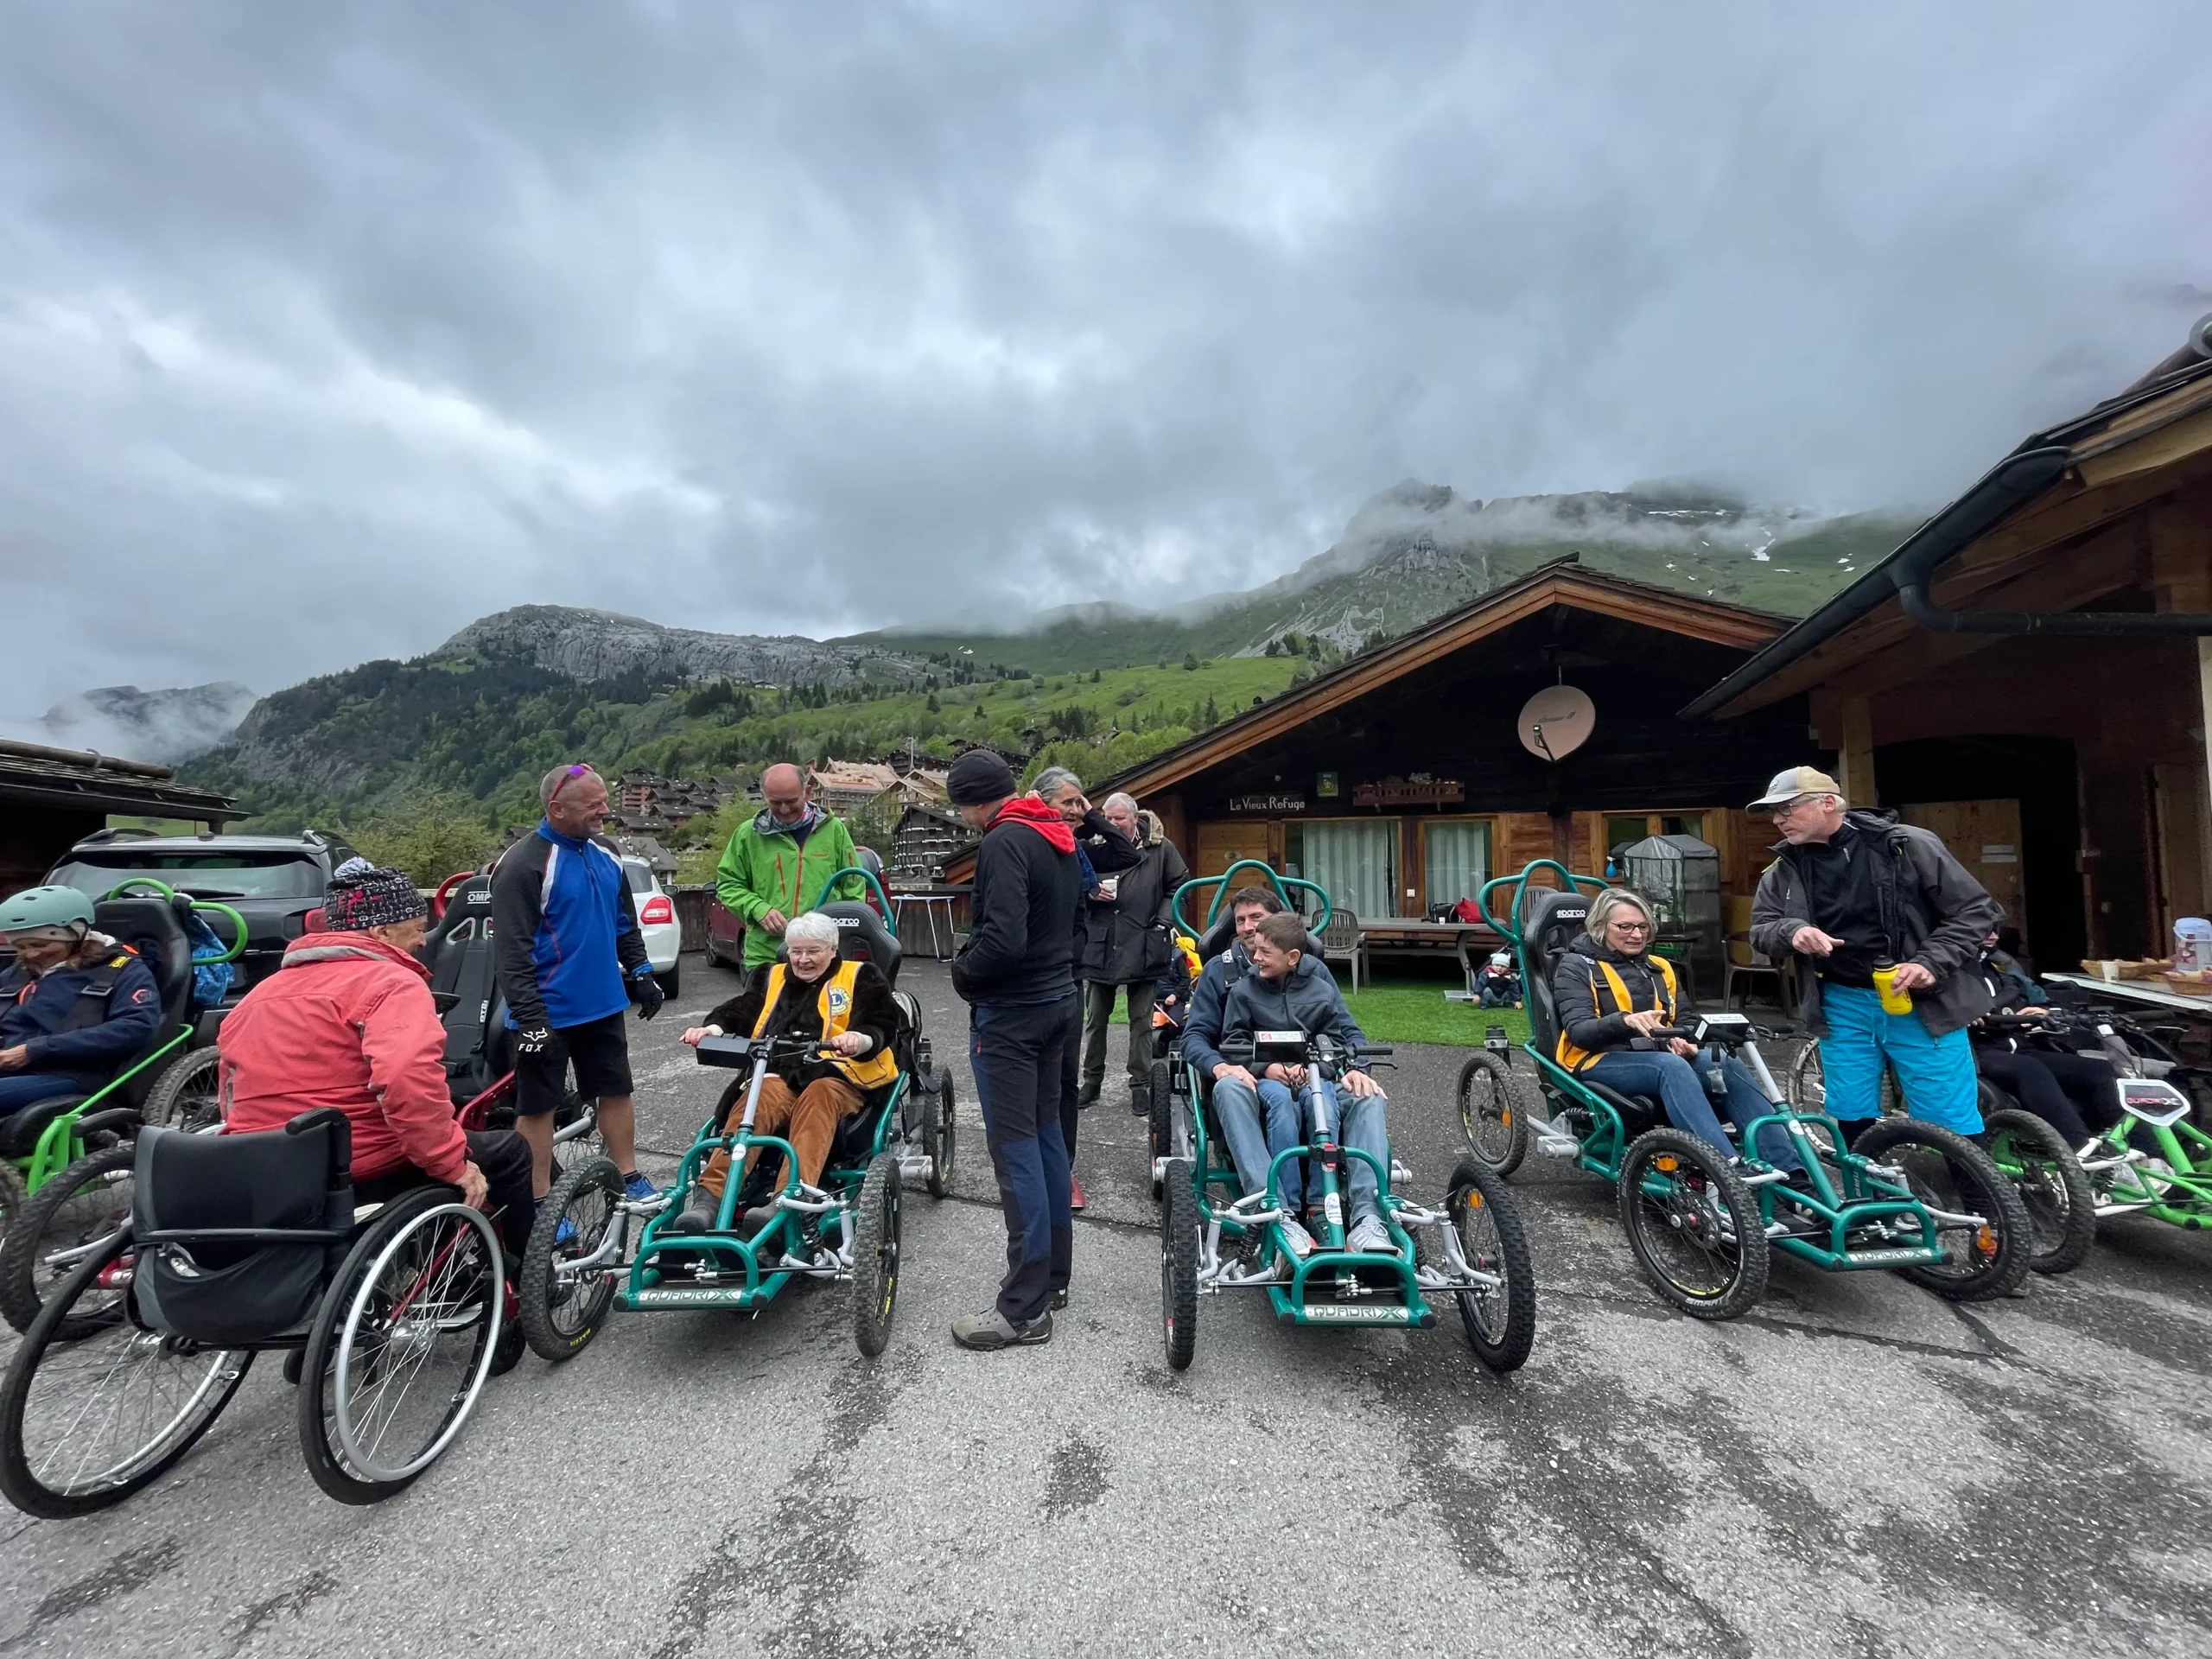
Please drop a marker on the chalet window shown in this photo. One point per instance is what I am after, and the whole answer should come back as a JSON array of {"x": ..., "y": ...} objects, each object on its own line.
[
  {"x": 1455, "y": 858},
  {"x": 1354, "y": 860}
]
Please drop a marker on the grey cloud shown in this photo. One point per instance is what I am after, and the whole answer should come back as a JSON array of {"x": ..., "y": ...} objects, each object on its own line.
[{"x": 324, "y": 330}]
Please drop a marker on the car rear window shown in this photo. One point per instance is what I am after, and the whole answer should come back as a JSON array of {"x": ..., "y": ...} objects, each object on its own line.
[
  {"x": 211, "y": 874},
  {"x": 641, "y": 876}
]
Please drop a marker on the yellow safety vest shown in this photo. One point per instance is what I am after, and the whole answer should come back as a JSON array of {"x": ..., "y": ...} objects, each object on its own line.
[
  {"x": 870, "y": 1070},
  {"x": 1576, "y": 1058}
]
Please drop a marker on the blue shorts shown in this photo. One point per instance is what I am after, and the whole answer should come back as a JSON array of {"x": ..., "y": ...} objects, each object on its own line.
[{"x": 1936, "y": 1073}]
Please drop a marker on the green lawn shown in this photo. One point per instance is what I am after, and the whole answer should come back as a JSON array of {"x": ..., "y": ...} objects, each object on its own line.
[{"x": 1415, "y": 1011}]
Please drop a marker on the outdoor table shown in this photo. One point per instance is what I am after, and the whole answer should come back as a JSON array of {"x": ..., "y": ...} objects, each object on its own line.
[
  {"x": 1408, "y": 932},
  {"x": 932, "y": 904},
  {"x": 2135, "y": 990}
]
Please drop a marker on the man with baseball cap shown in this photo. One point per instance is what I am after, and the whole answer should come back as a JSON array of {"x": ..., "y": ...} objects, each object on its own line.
[{"x": 1852, "y": 890}]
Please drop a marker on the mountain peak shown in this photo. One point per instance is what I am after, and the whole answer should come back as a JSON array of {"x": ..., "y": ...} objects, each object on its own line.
[{"x": 584, "y": 644}]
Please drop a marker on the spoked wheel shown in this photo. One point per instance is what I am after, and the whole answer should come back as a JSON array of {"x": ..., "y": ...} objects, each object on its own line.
[
  {"x": 1178, "y": 1265},
  {"x": 400, "y": 1347},
  {"x": 187, "y": 1097},
  {"x": 1500, "y": 1320},
  {"x": 85, "y": 1423},
  {"x": 2061, "y": 1209},
  {"x": 1694, "y": 1225},
  {"x": 74, "y": 1216},
  {"x": 576, "y": 1132},
  {"x": 1160, "y": 1125},
  {"x": 560, "y": 1316},
  {"x": 875, "y": 1255},
  {"x": 938, "y": 1136},
  {"x": 1986, "y": 1250},
  {"x": 1493, "y": 1127}
]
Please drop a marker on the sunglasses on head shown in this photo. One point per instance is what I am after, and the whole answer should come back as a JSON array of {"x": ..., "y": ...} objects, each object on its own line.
[{"x": 572, "y": 773}]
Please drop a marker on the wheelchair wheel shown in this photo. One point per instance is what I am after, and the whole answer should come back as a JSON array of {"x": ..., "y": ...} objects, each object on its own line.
[
  {"x": 2055, "y": 1194},
  {"x": 1178, "y": 1265},
  {"x": 71, "y": 1216},
  {"x": 1160, "y": 1127},
  {"x": 560, "y": 1318},
  {"x": 1501, "y": 1322},
  {"x": 401, "y": 1344},
  {"x": 576, "y": 1132},
  {"x": 937, "y": 1135},
  {"x": 1948, "y": 1173},
  {"x": 1497, "y": 1132},
  {"x": 85, "y": 1423},
  {"x": 875, "y": 1255},
  {"x": 187, "y": 1097},
  {"x": 12, "y": 1195},
  {"x": 1694, "y": 1225}
]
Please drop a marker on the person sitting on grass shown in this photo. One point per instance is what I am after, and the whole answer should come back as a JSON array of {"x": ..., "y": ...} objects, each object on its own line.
[
  {"x": 1288, "y": 990},
  {"x": 844, "y": 1005}
]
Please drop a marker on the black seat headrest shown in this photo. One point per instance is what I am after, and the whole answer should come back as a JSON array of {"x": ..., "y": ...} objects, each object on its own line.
[
  {"x": 469, "y": 902},
  {"x": 1549, "y": 920},
  {"x": 152, "y": 927},
  {"x": 862, "y": 936}
]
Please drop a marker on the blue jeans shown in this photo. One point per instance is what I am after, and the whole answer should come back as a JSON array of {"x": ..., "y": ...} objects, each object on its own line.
[
  {"x": 1362, "y": 1126},
  {"x": 22, "y": 1088},
  {"x": 1937, "y": 1072},
  {"x": 1681, "y": 1093},
  {"x": 1251, "y": 1149}
]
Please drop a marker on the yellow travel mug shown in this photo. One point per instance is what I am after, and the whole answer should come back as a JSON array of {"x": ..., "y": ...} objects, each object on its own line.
[{"x": 1893, "y": 999}]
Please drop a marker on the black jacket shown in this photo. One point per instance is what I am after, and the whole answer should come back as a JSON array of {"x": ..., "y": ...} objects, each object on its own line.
[
  {"x": 1587, "y": 1029},
  {"x": 798, "y": 1012},
  {"x": 1128, "y": 941},
  {"x": 1934, "y": 911},
  {"x": 1022, "y": 912}
]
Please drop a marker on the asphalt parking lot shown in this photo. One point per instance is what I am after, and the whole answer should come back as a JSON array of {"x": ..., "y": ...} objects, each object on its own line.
[{"x": 1857, "y": 1468}]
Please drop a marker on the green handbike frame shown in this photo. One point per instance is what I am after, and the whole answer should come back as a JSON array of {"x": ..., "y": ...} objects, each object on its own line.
[
  {"x": 63, "y": 1142},
  {"x": 1845, "y": 1196},
  {"x": 1281, "y": 884},
  {"x": 2134, "y": 1189}
]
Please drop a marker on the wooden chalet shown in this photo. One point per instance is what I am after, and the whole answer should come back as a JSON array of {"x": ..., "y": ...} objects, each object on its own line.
[
  {"x": 2030, "y": 673},
  {"x": 56, "y": 797}
]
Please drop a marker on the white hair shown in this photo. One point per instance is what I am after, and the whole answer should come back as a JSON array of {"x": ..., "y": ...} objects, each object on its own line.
[
  {"x": 815, "y": 926},
  {"x": 1051, "y": 781},
  {"x": 1129, "y": 801}
]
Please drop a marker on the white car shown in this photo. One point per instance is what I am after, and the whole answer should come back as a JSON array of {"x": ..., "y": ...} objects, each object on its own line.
[{"x": 657, "y": 921}]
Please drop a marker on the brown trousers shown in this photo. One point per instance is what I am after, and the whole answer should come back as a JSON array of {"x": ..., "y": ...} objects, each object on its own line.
[{"x": 808, "y": 1118}]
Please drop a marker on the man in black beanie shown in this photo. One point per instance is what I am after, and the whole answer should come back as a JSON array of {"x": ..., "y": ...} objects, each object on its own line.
[{"x": 1016, "y": 973}]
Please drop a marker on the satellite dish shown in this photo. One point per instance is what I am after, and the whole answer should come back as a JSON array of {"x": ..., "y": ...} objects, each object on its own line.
[{"x": 1556, "y": 722}]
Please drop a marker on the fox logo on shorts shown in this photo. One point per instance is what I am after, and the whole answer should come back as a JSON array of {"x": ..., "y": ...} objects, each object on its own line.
[{"x": 838, "y": 1002}]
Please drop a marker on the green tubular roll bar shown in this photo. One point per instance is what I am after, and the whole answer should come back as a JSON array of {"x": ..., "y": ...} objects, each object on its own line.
[
  {"x": 169, "y": 893},
  {"x": 829, "y": 888},
  {"x": 1505, "y": 928},
  {"x": 1221, "y": 884}
]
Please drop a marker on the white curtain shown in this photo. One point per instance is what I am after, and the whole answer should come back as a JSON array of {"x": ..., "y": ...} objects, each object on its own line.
[
  {"x": 1356, "y": 862},
  {"x": 1459, "y": 860}
]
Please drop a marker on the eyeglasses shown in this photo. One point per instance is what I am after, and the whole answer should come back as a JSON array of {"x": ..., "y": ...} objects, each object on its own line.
[{"x": 1630, "y": 927}]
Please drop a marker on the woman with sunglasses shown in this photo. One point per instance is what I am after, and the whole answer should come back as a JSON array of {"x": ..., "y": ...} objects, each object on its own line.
[{"x": 1612, "y": 994}]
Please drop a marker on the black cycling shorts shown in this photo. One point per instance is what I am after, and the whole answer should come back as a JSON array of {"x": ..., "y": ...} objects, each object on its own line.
[{"x": 600, "y": 1052}]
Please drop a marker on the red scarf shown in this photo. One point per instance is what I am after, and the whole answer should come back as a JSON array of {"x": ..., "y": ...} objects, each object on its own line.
[{"x": 1045, "y": 820}]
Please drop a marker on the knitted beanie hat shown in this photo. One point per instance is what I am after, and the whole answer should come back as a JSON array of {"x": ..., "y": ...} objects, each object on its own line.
[
  {"x": 363, "y": 896},
  {"x": 979, "y": 777}
]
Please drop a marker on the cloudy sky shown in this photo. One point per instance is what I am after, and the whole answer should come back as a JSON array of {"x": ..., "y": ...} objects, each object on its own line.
[{"x": 325, "y": 328}]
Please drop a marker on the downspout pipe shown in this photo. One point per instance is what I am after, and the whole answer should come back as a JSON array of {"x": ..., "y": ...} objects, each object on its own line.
[{"x": 2019, "y": 479}]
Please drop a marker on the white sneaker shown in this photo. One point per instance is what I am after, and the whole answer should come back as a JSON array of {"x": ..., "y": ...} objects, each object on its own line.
[
  {"x": 1370, "y": 1236},
  {"x": 1295, "y": 1238}
]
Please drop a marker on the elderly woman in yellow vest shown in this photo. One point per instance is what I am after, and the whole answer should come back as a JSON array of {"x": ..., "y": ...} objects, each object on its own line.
[
  {"x": 1610, "y": 994},
  {"x": 848, "y": 1007}
]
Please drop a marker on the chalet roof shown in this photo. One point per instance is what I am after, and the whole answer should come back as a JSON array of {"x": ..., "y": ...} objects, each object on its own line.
[
  {"x": 856, "y": 775},
  {"x": 2056, "y": 487},
  {"x": 84, "y": 780},
  {"x": 1563, "y": 581}
]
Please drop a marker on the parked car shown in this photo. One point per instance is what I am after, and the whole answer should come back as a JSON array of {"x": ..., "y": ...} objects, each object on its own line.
[
  {"x": 271, "y": 881},
  {"x": 657, "y": 921}
]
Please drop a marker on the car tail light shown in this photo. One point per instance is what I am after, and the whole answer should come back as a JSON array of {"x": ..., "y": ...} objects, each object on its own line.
[{"x": 656, "y": 911}]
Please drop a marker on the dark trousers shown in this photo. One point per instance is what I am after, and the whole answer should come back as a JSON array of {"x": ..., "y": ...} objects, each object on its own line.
[
  {"x": 504, "y": 1156},
  {"x": 1070, "y": 1095},
  {"x": 2073, "y": 1093},
  {"x": 1097, "y": 1029},
  {"x": 1025, "y": 1077}
]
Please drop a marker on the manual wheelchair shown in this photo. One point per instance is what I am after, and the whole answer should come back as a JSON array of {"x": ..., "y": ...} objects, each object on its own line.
[
  {"x": 1482, "y": 1259},
  {"x": 1908, "y": 1197},
  {"x": 389, "y": 1316},
  {"x": 581, "y": 1260}
]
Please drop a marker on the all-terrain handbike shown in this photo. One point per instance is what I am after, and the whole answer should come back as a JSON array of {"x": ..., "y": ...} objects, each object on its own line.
[
  {"x": 1481, "y": 1260},
  {"x": 1908, "y": 1196},
  {"x": 592, "y": 1250}
]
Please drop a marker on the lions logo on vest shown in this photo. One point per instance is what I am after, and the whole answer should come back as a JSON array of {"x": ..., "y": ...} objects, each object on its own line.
[{"x": 839, "y": 1004}]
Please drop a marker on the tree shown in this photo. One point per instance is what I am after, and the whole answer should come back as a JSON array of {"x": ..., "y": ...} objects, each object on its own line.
[
  {"x": 1191, "y": 662},
  {"x": 1093, "y": 677},
  {"x": 1274, "y": 648},
  {"x": 931, "y": 702}
]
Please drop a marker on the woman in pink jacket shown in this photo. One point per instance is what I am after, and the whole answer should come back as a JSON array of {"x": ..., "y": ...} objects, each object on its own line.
[{"x": 348, "y": 1021}]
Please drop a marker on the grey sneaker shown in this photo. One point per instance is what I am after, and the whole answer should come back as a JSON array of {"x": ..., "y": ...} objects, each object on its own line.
[
  {"x": 992, "y": 1330},
  {"x": 1295, "y": 1238},
  {"x": 1370, "y": 1236}
]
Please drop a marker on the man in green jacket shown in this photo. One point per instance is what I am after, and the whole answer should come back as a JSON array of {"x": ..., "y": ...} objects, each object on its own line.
[{"x": 775, "y": 865}]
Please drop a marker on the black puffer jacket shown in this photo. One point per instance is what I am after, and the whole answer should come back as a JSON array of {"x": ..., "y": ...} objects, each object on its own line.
[
  {"x": 1579, "y": 1018},
  {"x": 1128, "y": 941}
]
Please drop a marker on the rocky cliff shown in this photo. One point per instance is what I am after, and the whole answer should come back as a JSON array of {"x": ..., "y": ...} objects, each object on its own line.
[
  {"x": 169, "y": 725},
  {"x": 588, "y": 645}
]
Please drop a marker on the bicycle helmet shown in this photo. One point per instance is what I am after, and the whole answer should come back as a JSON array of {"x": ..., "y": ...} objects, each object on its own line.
[{"x": 45, "y": 908}]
